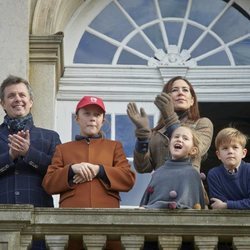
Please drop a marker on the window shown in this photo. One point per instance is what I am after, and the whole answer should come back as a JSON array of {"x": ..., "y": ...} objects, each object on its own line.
[{"x": 159, "y": 32}]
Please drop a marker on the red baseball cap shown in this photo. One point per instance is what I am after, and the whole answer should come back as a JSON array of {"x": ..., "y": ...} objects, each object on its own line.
[{"x": 90, "y": 100}]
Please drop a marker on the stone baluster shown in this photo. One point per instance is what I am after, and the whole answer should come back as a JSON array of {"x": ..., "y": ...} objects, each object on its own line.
[
  {"x": 241, "y": 243},
  {"x": 57, "y": 242},
  {"x": 26, "y": 241},
  {"x": 170, "y": 242},
  {"x": 94, "y": 242},
  {"x": 206, "y": 242},
  {"x": 132, "y": 242}
]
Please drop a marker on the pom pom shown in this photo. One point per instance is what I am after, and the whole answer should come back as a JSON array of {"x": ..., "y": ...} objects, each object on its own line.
[
  {"x": 173, "y": 194},
  {"x": 172, "y": 205},
  {"x": 150, "y": 190},
  {"x": 203, "y": 176},
  {"x": 197, "y": 206}
]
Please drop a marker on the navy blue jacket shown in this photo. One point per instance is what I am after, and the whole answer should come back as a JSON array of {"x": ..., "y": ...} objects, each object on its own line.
[{"x": 21, "y": 180}]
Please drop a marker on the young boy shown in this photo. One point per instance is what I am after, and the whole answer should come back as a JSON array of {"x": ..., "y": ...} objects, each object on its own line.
[
  {"x": 91, "y": 171},
  {"x": 229, "y": 183},
  {"x": 177, "y": 184}
]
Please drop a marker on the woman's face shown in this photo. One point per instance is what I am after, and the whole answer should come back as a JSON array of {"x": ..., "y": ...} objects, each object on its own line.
[
  {"x": 181, "y": 95},
  {"x": 90, "y": 120}
]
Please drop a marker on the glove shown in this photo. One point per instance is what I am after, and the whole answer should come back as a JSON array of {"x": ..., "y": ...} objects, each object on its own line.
[
  {"x": 139, "y": 119},
  {"x": 165, "y": 104}
]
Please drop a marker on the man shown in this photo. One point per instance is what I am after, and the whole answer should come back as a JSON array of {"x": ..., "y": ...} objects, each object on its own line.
[{"x": 25, "y": 150}]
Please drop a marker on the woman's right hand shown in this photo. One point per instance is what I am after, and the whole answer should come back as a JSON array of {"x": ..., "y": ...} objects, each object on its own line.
[{"x": 140, "y": 119}]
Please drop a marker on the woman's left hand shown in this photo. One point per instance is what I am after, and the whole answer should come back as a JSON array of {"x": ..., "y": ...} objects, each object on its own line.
[{"x": 165, "y": 104}]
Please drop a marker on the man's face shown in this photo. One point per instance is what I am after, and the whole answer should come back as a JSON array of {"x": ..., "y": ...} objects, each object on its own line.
[{"x": 17, "y": 101}]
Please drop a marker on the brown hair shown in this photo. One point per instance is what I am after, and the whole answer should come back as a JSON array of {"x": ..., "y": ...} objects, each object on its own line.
[
  {"x": 227, "y": 135},
  {"x": 11, "y": 80},
  {"x": 193, "y": 112}
]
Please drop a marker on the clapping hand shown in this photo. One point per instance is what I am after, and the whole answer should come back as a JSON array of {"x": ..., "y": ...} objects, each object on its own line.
[
  {"x": 140, "y": 119},
  {"x": 19, "y": 144},
  {"x": 165, "y": 104}
]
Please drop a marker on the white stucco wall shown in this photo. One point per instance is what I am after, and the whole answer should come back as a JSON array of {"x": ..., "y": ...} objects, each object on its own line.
[{"x": 14, "y": 39}]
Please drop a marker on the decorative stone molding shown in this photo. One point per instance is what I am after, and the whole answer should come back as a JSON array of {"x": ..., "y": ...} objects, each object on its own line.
[
  {"x": 48, "y": 50},
  {"x": 138, "y": 83},
  {"x": 51, "y": 16},
  {"x": 173, "y": 57}
]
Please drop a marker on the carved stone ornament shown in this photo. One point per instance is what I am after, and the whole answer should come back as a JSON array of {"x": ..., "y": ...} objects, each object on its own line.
[{"x": 172, "y": 58}]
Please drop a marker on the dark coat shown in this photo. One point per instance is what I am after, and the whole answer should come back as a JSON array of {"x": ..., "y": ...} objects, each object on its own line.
[{"x": 21, "y": 180}]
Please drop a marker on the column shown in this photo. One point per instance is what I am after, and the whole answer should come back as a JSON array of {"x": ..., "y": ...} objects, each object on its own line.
[{"x": 46, "y": 67}]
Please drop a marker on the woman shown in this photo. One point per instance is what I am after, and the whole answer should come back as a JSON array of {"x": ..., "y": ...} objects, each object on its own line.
[
  {"x": 178, "y": 105},
  {"x": 91, "y": 171}
]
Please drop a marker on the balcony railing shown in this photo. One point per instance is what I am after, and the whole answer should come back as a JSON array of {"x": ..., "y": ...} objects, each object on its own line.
[{"x": 19, "y": 224}]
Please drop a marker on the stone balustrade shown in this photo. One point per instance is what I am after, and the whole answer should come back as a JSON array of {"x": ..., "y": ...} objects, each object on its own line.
[{"x": 19, "y": 224}]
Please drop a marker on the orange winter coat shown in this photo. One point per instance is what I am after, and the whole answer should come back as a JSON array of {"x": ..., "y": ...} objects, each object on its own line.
[{"x": 95, "y": 193}]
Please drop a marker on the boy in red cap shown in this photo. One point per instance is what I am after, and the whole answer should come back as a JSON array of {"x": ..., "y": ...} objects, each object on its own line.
[{"x": 91, "y": 171}]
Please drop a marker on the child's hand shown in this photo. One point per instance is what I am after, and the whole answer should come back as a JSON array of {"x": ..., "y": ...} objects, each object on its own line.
[{"x": 218, "y": 204}]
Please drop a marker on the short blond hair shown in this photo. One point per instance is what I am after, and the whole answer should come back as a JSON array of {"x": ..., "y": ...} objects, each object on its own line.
[{"x": 227, "y": 135}]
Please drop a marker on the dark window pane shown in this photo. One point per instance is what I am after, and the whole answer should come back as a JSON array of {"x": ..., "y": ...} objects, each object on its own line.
[
  {"x": 173, "y": 30},
  {"x": 138, "y": 43},
  {"x": 92, "y": 49},
  {"x": 204, "y": 11},
  {"x": 112, "y": 22},
  {"x": 128, "y": 58},
  {"x": 191, "y": 35},
  {"x": 207, "y": 44},
  {"x": 155, "y": 35},
  {"x": 106, "y": 128},
  {"x": 241, "y": 52},
  {"x": 219, "y": 59},
  {"x": 173, "y": 8},
  {"x": 232, "y": 25},
  {"x": 142, "y": 11}
]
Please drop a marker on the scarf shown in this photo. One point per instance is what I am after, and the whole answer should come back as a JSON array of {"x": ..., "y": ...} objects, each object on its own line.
[
  {"x": 87, "y": 138},
  {"x": 17, "y": 124}
]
